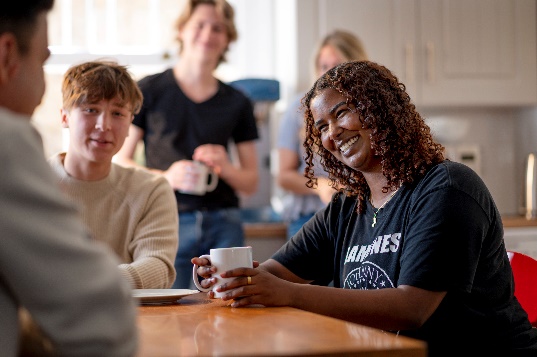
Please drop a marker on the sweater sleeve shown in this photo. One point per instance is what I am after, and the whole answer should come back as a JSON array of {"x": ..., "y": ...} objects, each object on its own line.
[{"x": 155, "y": 237}]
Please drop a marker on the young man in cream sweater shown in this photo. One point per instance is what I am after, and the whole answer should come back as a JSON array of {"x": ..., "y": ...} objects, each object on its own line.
[{"x": 131, "y": 210}]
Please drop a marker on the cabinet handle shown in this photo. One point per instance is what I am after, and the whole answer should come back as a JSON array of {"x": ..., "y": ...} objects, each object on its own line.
[
  {"x": 409, "y": 64},
  {"x": 430, "y": 62}
]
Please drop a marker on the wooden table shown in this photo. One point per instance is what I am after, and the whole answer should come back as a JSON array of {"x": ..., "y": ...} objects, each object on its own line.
[{"x": 197, "y": 326}]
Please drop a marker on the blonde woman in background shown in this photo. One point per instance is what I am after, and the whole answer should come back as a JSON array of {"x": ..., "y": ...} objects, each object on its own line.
[{"x": 301, "y": 202}]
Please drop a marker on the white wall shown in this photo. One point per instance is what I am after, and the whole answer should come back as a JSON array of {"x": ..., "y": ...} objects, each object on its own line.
[{"x": 494, "y": 132}]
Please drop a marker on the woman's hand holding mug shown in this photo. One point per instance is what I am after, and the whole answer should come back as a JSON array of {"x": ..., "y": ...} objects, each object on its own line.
[{"x": 220, "y": 260}]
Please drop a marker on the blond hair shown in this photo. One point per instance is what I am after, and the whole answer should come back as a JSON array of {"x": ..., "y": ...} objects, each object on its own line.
[
  {"x": 91, "y": 82},
  {"x": 222, "y": 7},
  {"x": 346, "y": 43}
]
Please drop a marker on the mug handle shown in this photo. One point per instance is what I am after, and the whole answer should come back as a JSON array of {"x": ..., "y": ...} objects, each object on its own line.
[
  {"x": 195, "y": 275},
  {"x": 214, "y": 181}
]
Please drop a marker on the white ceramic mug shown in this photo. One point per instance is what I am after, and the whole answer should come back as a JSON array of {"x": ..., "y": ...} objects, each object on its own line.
[
  {"x": 224, "y": 259},
  {"x": 204, "y": 179}
]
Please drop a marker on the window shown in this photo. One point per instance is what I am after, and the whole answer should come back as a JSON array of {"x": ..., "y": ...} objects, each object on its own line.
[{"x": 140, "y": 34}]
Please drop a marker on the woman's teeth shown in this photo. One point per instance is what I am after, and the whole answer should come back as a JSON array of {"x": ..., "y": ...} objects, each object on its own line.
[{"x": 348, "y": 144}]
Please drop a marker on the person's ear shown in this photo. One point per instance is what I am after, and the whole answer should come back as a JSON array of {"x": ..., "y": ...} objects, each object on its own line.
[
  {"x": 9, "y": 57},
  {"x": 65, "y": 118},
  {"x": 179, "y": 35}
]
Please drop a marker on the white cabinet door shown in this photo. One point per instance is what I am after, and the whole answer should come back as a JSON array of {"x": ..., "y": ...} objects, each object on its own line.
[
  {"x": 478, "y": 52},
  {"x": 448, "y": 52},
  {"x": 386, "y": 28}
]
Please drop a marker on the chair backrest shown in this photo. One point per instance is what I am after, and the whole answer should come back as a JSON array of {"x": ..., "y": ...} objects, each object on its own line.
[
  {"x": 525, "y": 273},
  {"x": 258, "y": 89}
]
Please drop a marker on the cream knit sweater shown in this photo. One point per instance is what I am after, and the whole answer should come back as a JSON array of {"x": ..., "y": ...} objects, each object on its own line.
[{"x": 135, "y": 213}]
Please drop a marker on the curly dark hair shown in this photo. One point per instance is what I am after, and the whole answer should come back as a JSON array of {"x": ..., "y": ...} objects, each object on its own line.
[{"x": 399, "y": 134}]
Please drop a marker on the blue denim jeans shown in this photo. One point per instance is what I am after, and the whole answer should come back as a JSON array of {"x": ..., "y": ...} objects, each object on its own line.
[
  {"x": 295, "y": 225},
  {"x": 199, "y": 231}
]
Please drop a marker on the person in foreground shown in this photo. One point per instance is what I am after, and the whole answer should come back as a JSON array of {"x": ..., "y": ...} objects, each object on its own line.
[
  {"x": 301, "y": 202},
  {"x": 131, "y": 210},
  {"x": 188, "y": 114},
  {"x": 54, "y": 280},
  {"x": 413, "y": 242}
]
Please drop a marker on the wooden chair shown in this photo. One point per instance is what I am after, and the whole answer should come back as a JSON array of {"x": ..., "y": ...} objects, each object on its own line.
[{"x": 525, "y": 273}]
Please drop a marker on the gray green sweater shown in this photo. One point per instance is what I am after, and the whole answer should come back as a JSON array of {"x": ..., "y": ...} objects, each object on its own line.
[{"x": 70, "y": 285}]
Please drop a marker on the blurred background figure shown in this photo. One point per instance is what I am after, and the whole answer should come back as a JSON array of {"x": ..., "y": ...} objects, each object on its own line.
[
  {"x": 189, "y": 114},
  {"x": 132, "y": 210},
  {"x": 300, "y": 202}
]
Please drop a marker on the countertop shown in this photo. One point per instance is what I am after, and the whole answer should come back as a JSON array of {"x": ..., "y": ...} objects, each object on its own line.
[
  {"x": 263, "y": 222},
  {"x": 279, "y": 229},
  {"x": 265, "y": 229},
  {"x": 518, "y": 221}
]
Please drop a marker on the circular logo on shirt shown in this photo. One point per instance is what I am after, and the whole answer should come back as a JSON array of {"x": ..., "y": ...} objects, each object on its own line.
[{"x": 367, "y": 276}]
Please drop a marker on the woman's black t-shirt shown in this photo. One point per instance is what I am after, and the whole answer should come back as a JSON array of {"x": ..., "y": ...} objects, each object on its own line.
[{"x": 442, "y": 234}]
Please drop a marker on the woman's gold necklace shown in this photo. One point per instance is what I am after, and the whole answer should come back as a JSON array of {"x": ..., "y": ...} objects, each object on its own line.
[{"x": 381, "y": 207}]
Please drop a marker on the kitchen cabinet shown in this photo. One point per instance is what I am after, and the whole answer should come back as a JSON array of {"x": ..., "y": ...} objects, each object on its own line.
[{"x": 447, "y": 52}]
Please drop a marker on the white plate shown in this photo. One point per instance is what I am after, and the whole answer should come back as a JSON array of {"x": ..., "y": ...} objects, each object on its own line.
[{"x": 161, "y": 296}]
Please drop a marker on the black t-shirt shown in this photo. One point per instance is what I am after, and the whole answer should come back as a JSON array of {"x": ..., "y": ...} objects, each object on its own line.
[
  {"x": 442, "y": 234},
  {"x": 174, "y": 126}
]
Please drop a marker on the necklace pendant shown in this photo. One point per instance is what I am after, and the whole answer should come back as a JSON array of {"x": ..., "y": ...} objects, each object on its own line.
[{"x": 374, "y": 221}]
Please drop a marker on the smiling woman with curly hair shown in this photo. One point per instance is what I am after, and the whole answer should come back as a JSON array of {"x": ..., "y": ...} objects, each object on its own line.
[
  {"x": 413, "y": 242},
  {"x": 399, "y": 135}
]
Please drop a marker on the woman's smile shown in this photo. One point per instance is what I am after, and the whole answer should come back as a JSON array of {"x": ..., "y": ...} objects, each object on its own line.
[{"x": 343, "y": 148}]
